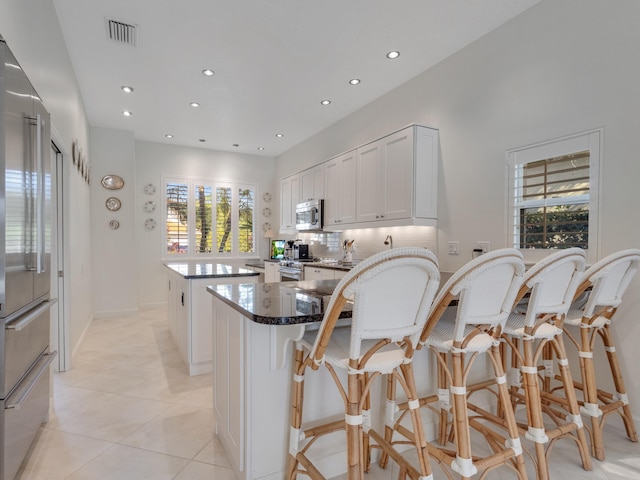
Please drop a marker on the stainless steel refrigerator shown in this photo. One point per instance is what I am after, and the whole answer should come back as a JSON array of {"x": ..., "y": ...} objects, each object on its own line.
[{"x": 25, "y": 213}]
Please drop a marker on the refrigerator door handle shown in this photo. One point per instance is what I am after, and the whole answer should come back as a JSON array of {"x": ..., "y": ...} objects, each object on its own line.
[
  {"x": 27, "y": 384},
  {"x": 40, "y": 199},
  {"x": 31, "y": 316}
]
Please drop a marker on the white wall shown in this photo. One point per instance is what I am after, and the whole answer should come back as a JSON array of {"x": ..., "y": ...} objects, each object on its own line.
[
  {"x": 155, "y": 160},
  {"x": 32, "y": 32},
  {"x": 115, "y": 285},
  {"x": 562, "y": 67}
]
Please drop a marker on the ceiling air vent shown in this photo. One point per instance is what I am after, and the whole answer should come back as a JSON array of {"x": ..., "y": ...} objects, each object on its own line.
[{"x": 121, "y": 32}]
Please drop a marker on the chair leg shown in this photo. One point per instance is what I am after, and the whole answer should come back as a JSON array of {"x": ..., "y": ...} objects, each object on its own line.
[
  {"x": 353, "y": 420},
  {"x": 297, "y": 395},
  {"x": 444, "y": 399},
  {"x": 389, "y": 416},
  {"x": 535, "y": 432},
  {"x": 621, "y": 392},
  {"x": 509, "y": 414},
  {"x": 572, "y": 401},
  {"x": 420, "y": 441},
  {"x": 463, "y": 463},
  {"x": 591, "y": 406}
]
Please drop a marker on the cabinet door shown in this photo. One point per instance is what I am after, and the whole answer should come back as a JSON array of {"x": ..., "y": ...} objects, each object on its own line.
[
  {"x": 312, "y": 184},
  {"x": 286, "y": 204},
  {"x": 340, "y": 189},
  {"x": 398, "y": 160},
  {"x": 317, "y": 273},
  {"x": 370, "y": 182},
  {"x": 271, "y": 272}
]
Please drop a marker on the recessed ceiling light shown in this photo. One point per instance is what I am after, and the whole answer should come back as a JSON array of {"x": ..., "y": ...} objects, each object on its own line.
[
  {"x": 279, "y": 135},
  {"x": 393, "y": 54},
  {"x": 127, "y": 113},
  {"x": 325, "y": 102},
  {"x": 194, "y": 104},
  {"x": 354, "y": 81},
  {"x": 208, "y": 72},
  {"x": 168, "y": 135},
  {"x": 260, "y": 148},
  {"x": 236, "y": 144},
  {"x": 202, "y": 140},
  {"x": 126, "y": 89}
]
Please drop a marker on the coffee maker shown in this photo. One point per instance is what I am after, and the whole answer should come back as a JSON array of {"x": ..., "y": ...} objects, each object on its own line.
[{"x": 301, "y": 251}]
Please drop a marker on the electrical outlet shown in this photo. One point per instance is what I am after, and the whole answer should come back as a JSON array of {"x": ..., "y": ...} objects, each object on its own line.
[
  {"x": 484, "y": 246},
  {"x": 454, "y": 248}
]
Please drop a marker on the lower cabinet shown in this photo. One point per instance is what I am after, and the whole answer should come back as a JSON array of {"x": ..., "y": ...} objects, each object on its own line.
[
  {"x": 271, "y": 272},
  {"x": 189, "y": 314},
  {"x": 320, "y": 273}
]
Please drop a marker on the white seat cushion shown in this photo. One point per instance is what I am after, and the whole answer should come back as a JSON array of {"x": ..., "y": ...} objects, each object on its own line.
[
  {"x": 441, "y": 337},
  {"x": 574, "y": 319},
  {"x": 515, "y": 328},
  {"x": 337, "y": 354}
]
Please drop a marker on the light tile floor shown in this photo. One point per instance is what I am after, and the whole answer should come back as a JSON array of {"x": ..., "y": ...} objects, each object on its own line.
[{"x": 129, "y": 411}]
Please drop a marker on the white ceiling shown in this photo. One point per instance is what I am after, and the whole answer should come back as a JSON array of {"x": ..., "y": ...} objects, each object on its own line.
[{"x": 274, "y": 61}]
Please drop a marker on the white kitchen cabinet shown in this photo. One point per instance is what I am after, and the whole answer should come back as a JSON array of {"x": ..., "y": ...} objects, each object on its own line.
[
  {"x": 312, "y": 183},
  {"x": 340, "y": 190},
  {"x": 397, "y": 178},
  {"x": 271, "y": 272},
  {"x": 189, "y": 317},
  {"x": 289, "y": 197},
  {"x": 321, "y": 273}
]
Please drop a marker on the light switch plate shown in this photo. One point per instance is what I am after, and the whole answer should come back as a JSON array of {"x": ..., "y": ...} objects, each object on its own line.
[
  {"x": 484, "y": 246},
  {"x": 454, "y": 248}
]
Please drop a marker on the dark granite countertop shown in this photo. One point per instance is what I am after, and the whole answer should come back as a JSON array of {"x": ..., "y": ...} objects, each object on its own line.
[
  {"x": 287, "y": 303},
  {"x": 194, "y": 270},
  {"x": 255, "y": 263}
]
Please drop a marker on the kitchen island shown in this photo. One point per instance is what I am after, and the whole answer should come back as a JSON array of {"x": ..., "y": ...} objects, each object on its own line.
[
  {"x": 254, "y": 326},
  {"x": 254, "y": 329},
  {"x": 189, "y": 307}
]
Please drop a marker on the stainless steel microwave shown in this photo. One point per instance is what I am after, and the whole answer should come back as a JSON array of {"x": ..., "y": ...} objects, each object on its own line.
[{"x": 309, "y": 215}]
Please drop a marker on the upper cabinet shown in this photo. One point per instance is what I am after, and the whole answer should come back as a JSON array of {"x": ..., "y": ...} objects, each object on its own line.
[
  {"x": 340, "y": 192},
  {"x": 392, "y": 181},
  {"x": 312, "y": 184},
  {"x": 289, "y": 197}
]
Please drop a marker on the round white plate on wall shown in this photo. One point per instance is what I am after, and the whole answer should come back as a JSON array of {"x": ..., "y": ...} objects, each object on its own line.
[
  {"x": 149, "y": 224},
  {"x": 266, "y": 197},
  {"x": 149, "y": 189},
  {"x": 149, "y": 206}
]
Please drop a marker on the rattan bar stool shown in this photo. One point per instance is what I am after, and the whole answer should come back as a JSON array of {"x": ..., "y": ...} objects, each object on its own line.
[
  {"x": 484, "y": 291},
  {"x": 607, "y": 280},
  {"x": 391, "y": 293},
  {"x": 534, "y": 334}
]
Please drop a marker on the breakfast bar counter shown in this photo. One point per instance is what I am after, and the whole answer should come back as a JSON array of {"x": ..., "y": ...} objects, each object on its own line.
[{"x": 254, "y": 329}]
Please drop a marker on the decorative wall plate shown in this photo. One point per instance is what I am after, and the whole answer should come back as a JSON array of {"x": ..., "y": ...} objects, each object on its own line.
[
  {"x": 266, "y": 212},
  {"x": 112, "y": 182},
  {"x": 149, "y": 189},
  {"x": 113, "y": 204},
  {"x": 114, "y": 224},
  {"x": 149, "y": 224},
  {"x": 266, "y": 227},
  {"x": 149, "y": 206},
  {"x": 266, "y": 197}
]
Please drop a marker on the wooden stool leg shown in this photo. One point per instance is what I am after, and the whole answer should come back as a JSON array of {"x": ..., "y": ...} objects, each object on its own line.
[
  {"x": 509, "y": 414},
  {"x": 591, "y": 406},
  {"x": 420, "y": 441},
  {"x": 444, "y": 400},
  {"x": 574, "y": 409},
  {"x": 353, "y": 420},
  {"x": 389, "y": 418},
  {"x": 463, "y": 463},
  {"x": 297, "y": 396},
  {"x": 535, "y": 432},
  {"x": 621, "y": 392}
]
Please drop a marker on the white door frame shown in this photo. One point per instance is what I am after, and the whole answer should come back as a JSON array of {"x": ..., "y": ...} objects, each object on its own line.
[{"x": 59, "y": 315}]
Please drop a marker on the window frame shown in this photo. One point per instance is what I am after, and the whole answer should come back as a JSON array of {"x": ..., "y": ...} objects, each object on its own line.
[
  {"x": 515, "y": 158},
  {"x": 192, "y": 254}
]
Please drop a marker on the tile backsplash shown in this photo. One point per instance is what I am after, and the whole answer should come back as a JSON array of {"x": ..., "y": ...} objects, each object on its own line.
[{"x": 368, "y": 241}]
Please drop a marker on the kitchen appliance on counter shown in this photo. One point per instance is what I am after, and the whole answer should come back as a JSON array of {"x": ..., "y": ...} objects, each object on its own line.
[
  {"x": 310, "y": 215},
  {"x": 25, "y": 190},
  {"x": 301, "y": 251},
  {"x": 277, "y": 249}
]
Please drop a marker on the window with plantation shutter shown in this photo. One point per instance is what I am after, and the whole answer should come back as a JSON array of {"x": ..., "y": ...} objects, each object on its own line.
[
  {"x": 553, "y": 193},
  {"x": 208, "y": 218}
]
